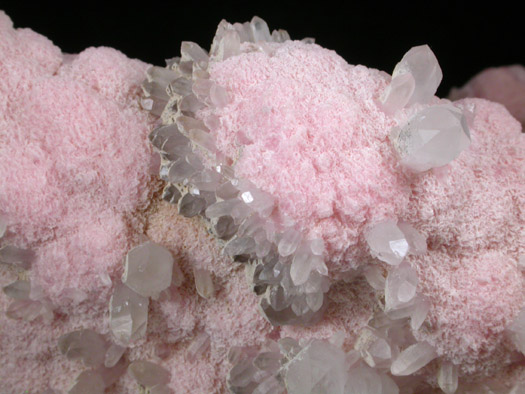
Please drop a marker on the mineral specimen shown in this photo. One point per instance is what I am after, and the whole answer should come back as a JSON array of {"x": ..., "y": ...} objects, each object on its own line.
[{"x": 128, "y": 314}]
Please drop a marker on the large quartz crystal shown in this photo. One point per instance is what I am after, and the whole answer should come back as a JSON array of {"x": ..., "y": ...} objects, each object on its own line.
[
  {"x": 432, "y": 138},
  {"x": 413, "y": 359},
  {"x": 447, "y": 377},
  {"x": 128, "y": 314},
  {"x": 86, "y": 345},
  {"x": 148, "y": 374},
  {"x": 148, "y": 269}
]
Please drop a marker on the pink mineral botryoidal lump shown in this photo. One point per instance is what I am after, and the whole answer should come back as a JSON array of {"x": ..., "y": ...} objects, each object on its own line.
[{"x": 504, "y": 85}]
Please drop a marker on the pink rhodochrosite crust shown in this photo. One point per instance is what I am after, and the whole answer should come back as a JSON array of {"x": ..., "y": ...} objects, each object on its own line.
[{"x": 306, "y": 127}]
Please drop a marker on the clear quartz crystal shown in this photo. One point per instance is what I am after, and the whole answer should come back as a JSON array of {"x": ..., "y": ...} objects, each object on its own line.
[
  {"x": 375, "y": 277},
  {"x": 148, "y": 269},
  {"x": 362, "y": 379},
  {"x": 413, "y": 359},
  {"x": 420, "y": 312},
  {"x": 191, "y": 205},
  {"x": 3, "y": 225},
  {"x": 400, "y": 286},
  {"x": 398, "y": 93},
  {"x": 417, "y": 243},
  {"x": 301, "y": 265},
  {"x": 192, "y": 51},
  {"x": 289, "y": 242},
  {"x": 199, "y": 346},
  {"x": 447, "y": 377},
  {"x": 148, "y": 374},
  {"x": 29, "y": 310},
  {"x": 128, "y": 314},
  {"x": 432, "y": 138},
  {"x": 19, "y": 290},
  {"x": 113, "y": 355},
  {"x": 204, "y": 283},
  {"x": 422, "y": 64},
  {"x": 387, "y": 242},
  {"x": 22, "y": 258},
  {"x": 88, "y": 382},
  {"x": 86, "y": 345}
]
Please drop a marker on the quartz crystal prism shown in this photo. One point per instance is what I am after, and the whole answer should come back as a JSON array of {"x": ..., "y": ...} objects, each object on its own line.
[
  {"x": 192, "y": 51},
  {"x": 301, "y": 266},
  {"x": 86, "y": 345},
  {"x": 516, "y": 331},
  {"x": 280, "y": 35},
  {"x": 447, "y": 377},
  {"x": 148, "y": 269},
  {"x": 260, "y": 30},
  {"x": 387, "y": 242},
  {"x": 413, "y": 359},
  {"x": 417, "y": 243},
  {"x": 113, "y": 355},
  {"x": 374, "y": 348},
  {"x": 199, "y": 346},
  {"x": 128, "y": 314},
  {"x": 375, "y": 277},
  {"x": 420, "y": 312},
  {"x": 19, "y": 290},
  {"x": 191, "y": 205},
  {"x": 400, "y": 286},
  {"x": 225, "y": 228},
  {"x": 289, "y": 242},
  {"x": 239, "y": 246},
  {"x": 148, "y": 374},
  {"x": 398, "y": 93},
  {"x": 432, "y": 138},
  {"x": 203, "y": 283},
  {"x": 88, "y": 382},
  {"x": 422, "y": 64},
  {"x": 22, "y": 258},
  {"x": 29, "y": 310},
  {"x": 171, "y": 194}
]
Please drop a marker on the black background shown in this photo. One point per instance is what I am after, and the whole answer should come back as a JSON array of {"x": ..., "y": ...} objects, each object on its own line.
[{"x": 466, "y": 37}]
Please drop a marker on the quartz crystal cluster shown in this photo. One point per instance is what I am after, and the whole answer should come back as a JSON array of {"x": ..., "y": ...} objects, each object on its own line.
[{"x": 285, "y": 267}]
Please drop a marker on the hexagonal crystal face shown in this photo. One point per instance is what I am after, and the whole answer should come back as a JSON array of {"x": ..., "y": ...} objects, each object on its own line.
[
  {"x": 128, "y": 314},
  {"x": 148, "y": 269}
]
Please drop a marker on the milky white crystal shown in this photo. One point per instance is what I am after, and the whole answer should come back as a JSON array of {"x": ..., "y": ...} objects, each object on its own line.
[
  {"x": 447, "y": 377},
  {"x": 420, "y": 312},
  {"x": 432, "y": 138},
  {"x": 412, "y": 359},
  {"x": 86, "y": 345},
  {"x": 160, "y": 389},
  {"x": 148, "y": 269},
  {"x": 148, "y": 374},
  {"x": 387, "y": 242},
  {"x": 128, "y": 312},
  {"x": 204, "y": 283},
  {"x": 422, "y": 64}
]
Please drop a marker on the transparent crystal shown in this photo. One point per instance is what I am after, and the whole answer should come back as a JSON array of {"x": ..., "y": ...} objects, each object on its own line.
[
  {"x": 432, "y": 138},
  {"x": 204, "y": 283},
  {"x": 447, "y": 377},
  {"x": 190, "y": 105},
  {"x": 161, "y": 75},
  {"x": 239, "y": 246},
  {"x": 207, "y": 180},
  {"x": 280, "y": 35},
  {"x": 315, "y": 300},
  {"x": 398, "y": 93},
  {"x": 128, "y": 314},
  {"x": 199, "y": 346},
  {"x": 160, "y": 389},
  {"x": 516, "y": 331},
  {"x": 241, "y": 375},
  {"x": 375, "y": 277},
  {"x": 413, "y": 359},
  {"x": 29, "y": 310},
  {"x": 113, "y": 355},
  {"x": 148, "y": 269},
  {"x": 261, "y": 202},
  {"x": 148, "y": 374},
  {"x": 387, "y": 242},
  {"x": 365, "y": 380},
  {"x": 191, "y": 205},
  {"x": 270, "y": 385},
  {"x": 417, "y": 243},
  {"x": 180, "y": 86},
  {"x": 187, "y": 123},
  {"x": 192, "y": 51},
  {"x": 228, "y": 46},
  {"x": 420, "y": 312},
  {"x": 260, "y": 30},
  {"x": 3, "y": 225},
  {"x": 171, "y": 194},
  {"x": 180, "y": 170},
  {"x": 400, "y": 287},
  {"x": 86, "y": 345},
  {"x": 289, "y": 242},
  {"x": 19, "y": 290},
  {"x": 301, "y": 266},
  {"x": 219, "y": 96},
  {"x": 421, "y": 62},
  {"x": 225, "y": 228},
  {"x": 88, "y": 382},
  {"x": 22, "y": 258},
  {"x": 374, "y": 348}
]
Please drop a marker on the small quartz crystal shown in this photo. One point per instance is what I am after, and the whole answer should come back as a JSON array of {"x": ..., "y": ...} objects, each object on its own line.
[
  {"x": 22, "y": 258},
  {"x": 398, "y": 93},
  {"x": 204, "y": 283},
  {"x": 113, "y": 355},
  {"x": 417, "y": 243},
  {"x": 128, "y": 314},
  {"x": 29, "y": 310},
  {"x": 413, "y": 359},
  {"x": 148, "y": 374},
  {"x": 199, "y": 346},
  {"x": 400, "y": 287},
  {"x": 387, "y": 242},
  {"x": 88, "y": 382},
  {"x": 191, "y": 205},
  {"x": 447, "y": 377},
  {"x": 86, "y": 345},
  {"x": 19, "y": 290},
  {"x": 289, "y": 242},
  {"x": 432, "y": 138},
  {"x": 148, "y": 269}
]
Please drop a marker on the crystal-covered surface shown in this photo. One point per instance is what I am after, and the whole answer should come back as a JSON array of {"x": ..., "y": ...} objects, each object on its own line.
[
  {"x": 413, "y": 359},
  {"x": 204, "y": 283},
  {"x": 432, "y": 138},
  {"x": 199, "y": 345},
  {"x": 86, "y": 345},
  {"x": 19, "y": 289},
  {"x": 128, "y": 312},
  {"x": 422, "y": 64},
  {"x": 387, "y": 242},
  {"x": 148, "y": 374},
  {"x": 148, "y": 269},
  {"x": 88, "y": 382},
  {"x": 22, "y": 258},
  {"x": 447, "y": 377}
]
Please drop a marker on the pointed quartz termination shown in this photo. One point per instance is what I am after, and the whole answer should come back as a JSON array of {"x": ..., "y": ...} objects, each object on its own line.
[
  {"x": 113, "y": 355},
  {"x": 289, "y": 242},
  {"x": 432, "y": 138},
  {"x": 447, "y": 377},
  {"x": 204, "y": 283},
  {"x": 400, "y": 287},
  {"x": 19, "y": 290},
  {"x": 128, "y": 314},
  {"x": 148, "y": 374},
  {"x": 387, "y": 242},
  {"x": 88, "y": 382},
  {"x": 516, "y": 331},
  {"x": 415, "y": 79},
  {"x": 22, "y": 258},
  {"x": 413, "y": 359},
  {"x": 192, "y": 51},
  {"x": 148, "y": 269},
  {"x": 417, "y": 243},
  {"x": 86, "y": 345}
]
